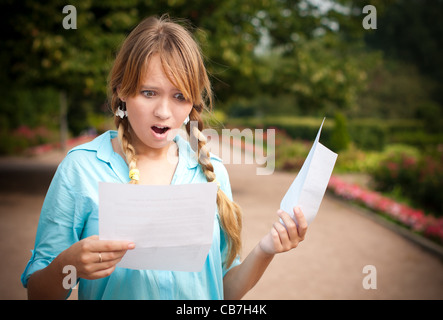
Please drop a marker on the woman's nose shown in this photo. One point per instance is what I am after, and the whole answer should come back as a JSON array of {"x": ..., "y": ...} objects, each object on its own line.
[{"x": 162, "y": 109}]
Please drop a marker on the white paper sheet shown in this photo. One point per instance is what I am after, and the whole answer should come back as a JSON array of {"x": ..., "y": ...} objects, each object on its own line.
[
  {"x": 171, "y": 225},
  {"x": 308, "y": 188}
]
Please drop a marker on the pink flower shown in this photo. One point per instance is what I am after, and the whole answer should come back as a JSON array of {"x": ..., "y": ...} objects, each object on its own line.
[
  {"x": 410, "y": 217},
  {"x": 24, "y": 131},
  {"x": 409, "y": 162}
]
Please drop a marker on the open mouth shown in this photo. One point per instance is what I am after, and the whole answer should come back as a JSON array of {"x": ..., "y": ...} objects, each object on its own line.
[{"x": 160, "y": 130}]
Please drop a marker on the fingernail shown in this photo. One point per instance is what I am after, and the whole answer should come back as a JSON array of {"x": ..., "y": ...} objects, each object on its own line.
[{"x": 131, "y": 245}]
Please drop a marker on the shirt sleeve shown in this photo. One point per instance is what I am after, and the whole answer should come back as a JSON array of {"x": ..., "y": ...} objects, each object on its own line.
[{"x": 55, "y": 231}]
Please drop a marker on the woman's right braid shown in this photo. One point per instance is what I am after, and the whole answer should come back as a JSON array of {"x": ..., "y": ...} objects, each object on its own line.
[
  {"x": 125, "y": 142},
  {"x": 230, "y": 212}
]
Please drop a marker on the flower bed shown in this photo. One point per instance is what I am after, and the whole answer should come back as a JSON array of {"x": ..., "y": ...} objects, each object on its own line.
[
  {"x": 414, "y": 219},
  {"x": 70, "y": 143}
]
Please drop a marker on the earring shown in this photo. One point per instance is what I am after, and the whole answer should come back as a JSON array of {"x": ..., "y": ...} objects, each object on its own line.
[
  {"x": 186, "y": 120},
  {"x": 121, "y": 111}
]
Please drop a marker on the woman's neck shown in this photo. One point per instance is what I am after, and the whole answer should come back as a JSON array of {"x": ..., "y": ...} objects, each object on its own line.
[{"x": 146, "y": 153}]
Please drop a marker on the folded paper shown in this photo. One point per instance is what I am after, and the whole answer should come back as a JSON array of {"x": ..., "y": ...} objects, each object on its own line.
[{"x": 309, "y": 186}]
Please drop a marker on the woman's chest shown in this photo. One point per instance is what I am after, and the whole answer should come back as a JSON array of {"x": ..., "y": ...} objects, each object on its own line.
[{"x": 157, "y": 173}]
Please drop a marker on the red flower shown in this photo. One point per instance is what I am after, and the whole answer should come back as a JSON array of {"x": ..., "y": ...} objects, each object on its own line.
[{"x": 410, "y": 217}]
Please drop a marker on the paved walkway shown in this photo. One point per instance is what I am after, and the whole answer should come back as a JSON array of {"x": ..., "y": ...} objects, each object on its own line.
[{"x": 327, "y": 265}]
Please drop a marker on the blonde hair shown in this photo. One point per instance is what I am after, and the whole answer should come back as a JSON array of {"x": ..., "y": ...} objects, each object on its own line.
[{"x": 182, "y": 63}]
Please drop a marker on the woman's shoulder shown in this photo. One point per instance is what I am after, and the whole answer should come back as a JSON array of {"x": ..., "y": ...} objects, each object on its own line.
[
  {"x": 217, "y": 163},
  {"x": 88, "y": 153},
  {"x": 100, "y": 144}
]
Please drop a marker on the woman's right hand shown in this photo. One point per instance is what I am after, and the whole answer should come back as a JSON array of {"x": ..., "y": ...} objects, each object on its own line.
[{"x": 94, "y": 258}]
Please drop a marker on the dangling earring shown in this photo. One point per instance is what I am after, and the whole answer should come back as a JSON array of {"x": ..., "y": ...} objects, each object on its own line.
[
  {"x": 186, "y": 120},
  {"x": 121, "y": 111}
]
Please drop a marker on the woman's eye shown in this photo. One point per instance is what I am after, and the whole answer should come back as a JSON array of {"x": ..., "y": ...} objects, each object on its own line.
[
  {"x": 148, "y": 93},
  {"x": 179, "y": 97}
]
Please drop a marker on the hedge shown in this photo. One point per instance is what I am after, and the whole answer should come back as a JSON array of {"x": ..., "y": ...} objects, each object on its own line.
[{"x": 366, "y": 134}]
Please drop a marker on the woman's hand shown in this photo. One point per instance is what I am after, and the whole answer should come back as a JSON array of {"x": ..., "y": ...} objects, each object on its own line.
[
  {"x": 285, "y": 237},
  {"x": 94, "y": 258},
  {"x": 281, "y": 238}
]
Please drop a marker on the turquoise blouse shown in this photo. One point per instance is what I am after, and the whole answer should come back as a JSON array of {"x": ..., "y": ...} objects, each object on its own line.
[{"x": 70, "y": 213}]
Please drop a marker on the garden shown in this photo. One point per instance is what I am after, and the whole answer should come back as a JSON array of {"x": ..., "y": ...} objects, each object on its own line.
[
  {"x": 273, "y": 64},
  {"x": 399, "y": 180}
]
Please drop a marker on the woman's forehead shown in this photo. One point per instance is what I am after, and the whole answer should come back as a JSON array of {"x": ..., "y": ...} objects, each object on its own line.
[{"x": 155, "y": 74}]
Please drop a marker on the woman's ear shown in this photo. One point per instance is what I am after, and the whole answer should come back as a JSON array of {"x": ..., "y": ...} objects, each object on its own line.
[{"x": 118, "y": 94}]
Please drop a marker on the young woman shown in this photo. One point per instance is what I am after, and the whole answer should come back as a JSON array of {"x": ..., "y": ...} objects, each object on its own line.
[{"x": 158, "y": 82}]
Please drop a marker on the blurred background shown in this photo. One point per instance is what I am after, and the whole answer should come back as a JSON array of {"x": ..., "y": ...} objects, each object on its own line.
[
  {"x": 282, "y": 64},
  {"x": 279, "y": 64}
]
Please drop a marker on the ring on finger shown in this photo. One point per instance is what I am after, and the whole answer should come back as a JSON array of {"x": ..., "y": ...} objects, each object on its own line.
[{"x": 100, "y": 257}]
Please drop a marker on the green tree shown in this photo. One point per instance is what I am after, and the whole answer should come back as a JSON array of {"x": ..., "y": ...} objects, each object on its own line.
[
  {"x": 38, "y": 52},
  {"x": 340, "y": 136},
  {"x": 293, "y": 48},
  {"x": 412, "y": 34}
]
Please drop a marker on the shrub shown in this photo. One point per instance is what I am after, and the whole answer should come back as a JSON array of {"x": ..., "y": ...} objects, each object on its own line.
[
  {"x": 357, "y": 160},
  {"x": 289, "y": 154},
  {"x": 417, "y": 177},
  {"x": 429, "y": 188},
  {"x": 23, "y": 138},
  {"x": 369, "y": 136},
  {"x": 340, "y": 136},
  {"x": 366, "y": 134}
]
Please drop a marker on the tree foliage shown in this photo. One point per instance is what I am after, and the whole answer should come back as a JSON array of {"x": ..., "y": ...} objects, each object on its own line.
[{"x": 310, "y": 56}]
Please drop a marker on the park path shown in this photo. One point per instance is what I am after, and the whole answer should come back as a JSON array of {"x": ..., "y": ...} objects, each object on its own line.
[
  {"x": 329, "y": 264},
  {"x": 340, "y": 242}
]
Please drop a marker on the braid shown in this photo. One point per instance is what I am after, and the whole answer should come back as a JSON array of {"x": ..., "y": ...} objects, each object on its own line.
[
  {"x": 125, "y": 141},
  {"x": 230, "y": 212}
]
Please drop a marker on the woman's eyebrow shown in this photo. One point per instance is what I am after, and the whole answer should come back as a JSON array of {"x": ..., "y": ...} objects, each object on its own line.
[
  {"x": 148, "y": 86},
  {"x": 154, "y": 87}
]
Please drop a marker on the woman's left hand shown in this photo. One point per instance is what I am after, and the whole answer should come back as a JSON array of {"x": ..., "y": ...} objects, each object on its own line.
[
  {"x": 282, "y": 237},
  {"x": 285, "y": 237}
]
